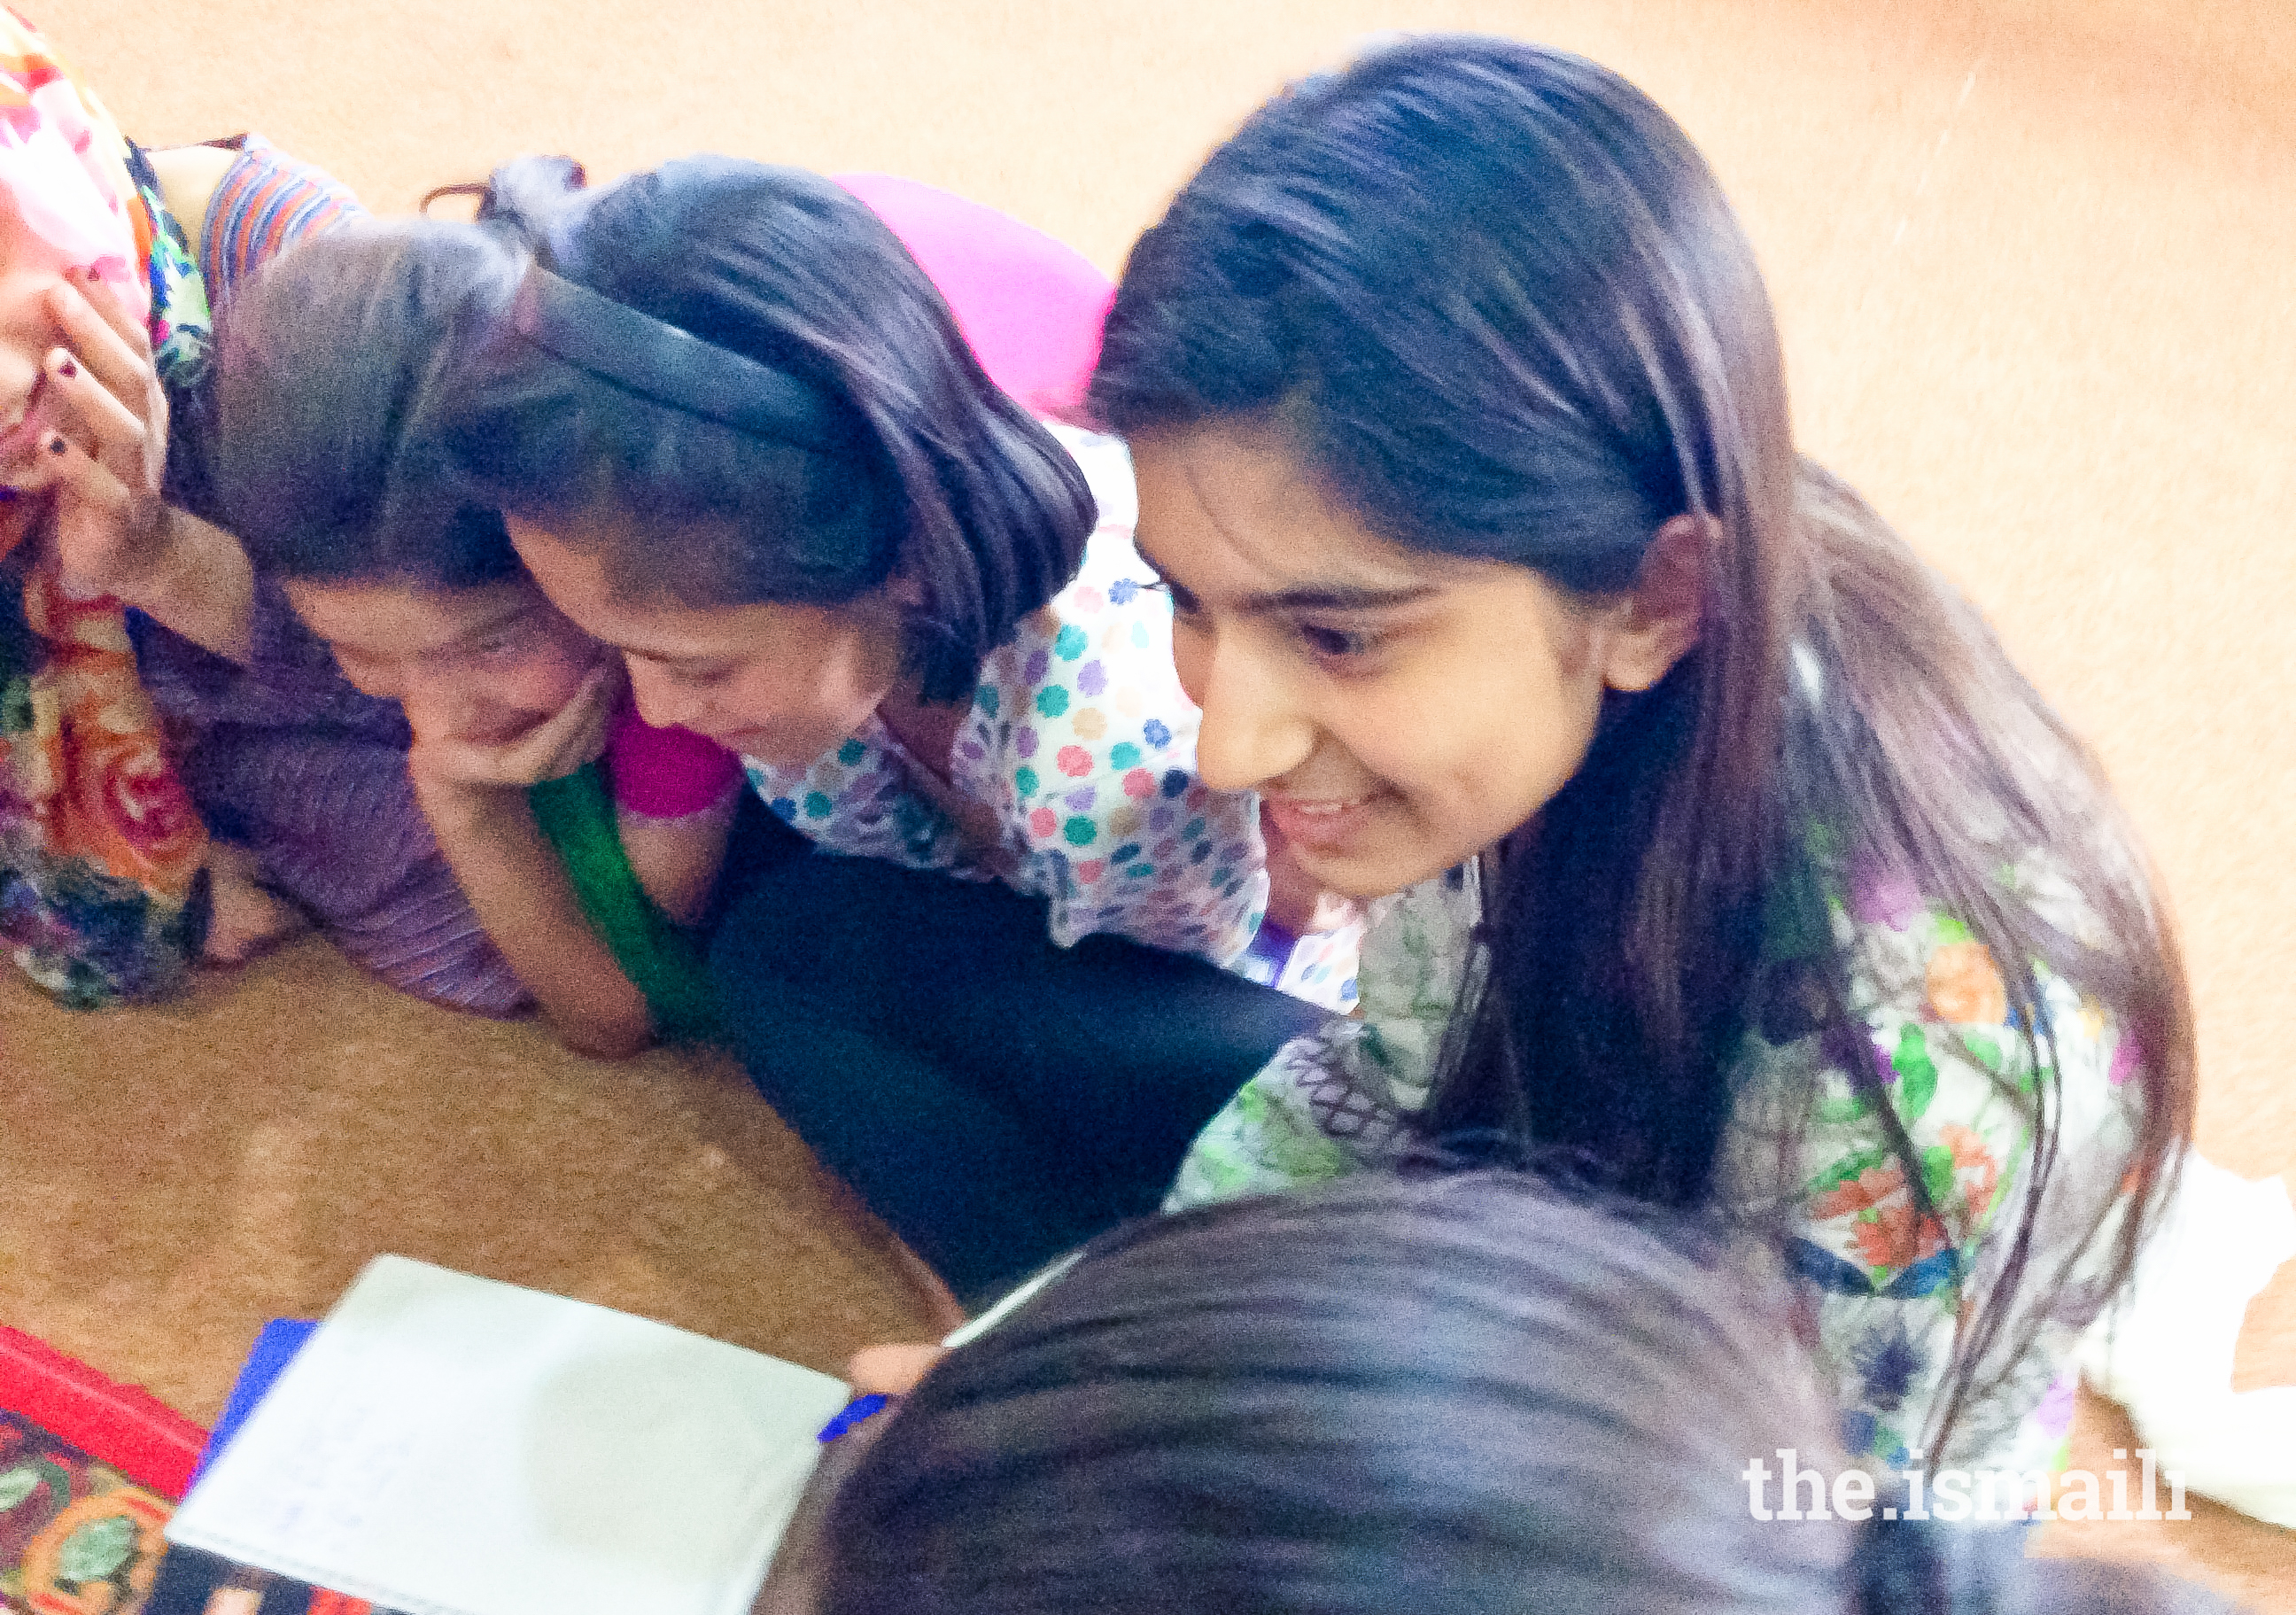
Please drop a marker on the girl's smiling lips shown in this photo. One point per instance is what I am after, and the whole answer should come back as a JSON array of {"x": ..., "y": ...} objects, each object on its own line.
[{"x": 1323, "y": 823}]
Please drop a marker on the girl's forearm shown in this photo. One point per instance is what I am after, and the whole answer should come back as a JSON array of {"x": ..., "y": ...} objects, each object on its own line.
[
  {"x": 521, "y": 895},
  {"x": 198, "y": 583},
  {"x": 678, "y": 860}
]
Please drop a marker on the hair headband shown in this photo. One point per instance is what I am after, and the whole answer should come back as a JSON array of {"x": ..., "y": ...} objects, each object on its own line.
[{"x": 673, "y": 367}]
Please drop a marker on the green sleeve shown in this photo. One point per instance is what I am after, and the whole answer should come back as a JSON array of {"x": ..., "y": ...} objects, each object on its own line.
[{"x": 664, "y": 960}]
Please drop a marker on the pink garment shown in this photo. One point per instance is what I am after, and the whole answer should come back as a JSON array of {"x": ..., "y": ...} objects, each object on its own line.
[
  {"x": 1030, "y": 307},
  {"x": 667, "y": 774}
]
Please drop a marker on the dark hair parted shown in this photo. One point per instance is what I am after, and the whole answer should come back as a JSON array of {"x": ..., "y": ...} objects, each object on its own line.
[
  {"x": 329, "y": 366},
  {"x": 1498, "y": 305},
  {"x": 945, "y": 485},
  {"x": 1477, "y": 1392}
]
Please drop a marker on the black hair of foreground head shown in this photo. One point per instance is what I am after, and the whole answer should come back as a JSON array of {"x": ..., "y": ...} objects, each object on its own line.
[
  {"x": 1471, "y": 1392},
  {"x": 1474, "y": 1392}
]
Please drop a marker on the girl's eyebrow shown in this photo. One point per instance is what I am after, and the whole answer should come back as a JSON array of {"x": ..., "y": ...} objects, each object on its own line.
[
  {"x": 1312, "y": 597},
  {"x": 684, "y": 660},
  {"x": 1336, "y": 597}
]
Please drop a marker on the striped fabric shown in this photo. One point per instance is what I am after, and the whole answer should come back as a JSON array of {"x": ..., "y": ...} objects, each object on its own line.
[
  {"x": 266, "y": 200},
  {"x": 285, "y": 758}
]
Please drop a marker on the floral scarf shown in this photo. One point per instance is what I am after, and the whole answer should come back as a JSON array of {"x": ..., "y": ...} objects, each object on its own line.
[{"x": 103, "y": 893}]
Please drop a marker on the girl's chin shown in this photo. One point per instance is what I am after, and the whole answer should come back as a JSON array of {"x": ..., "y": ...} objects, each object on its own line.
[
  {"x": 773, "y": 748},
  {"x": 1379, "y": 864},
  {"x": 1367, "y": 872}
]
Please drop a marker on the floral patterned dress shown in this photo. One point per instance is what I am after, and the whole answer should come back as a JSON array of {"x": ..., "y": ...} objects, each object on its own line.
[
  {"x": 1073, "y": 777},
  {"x": 1804, "y": 1143},
  {"x": 102, "y": 898}
]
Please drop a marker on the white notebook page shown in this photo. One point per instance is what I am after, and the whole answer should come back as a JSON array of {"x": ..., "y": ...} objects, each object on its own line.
[{"x": 448, "y": 1445}]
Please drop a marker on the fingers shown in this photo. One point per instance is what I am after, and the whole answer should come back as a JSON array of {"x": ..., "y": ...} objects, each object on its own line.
[
  {"x": 574, "y": 734},
  {"x": 61, "y": 464},
  {"x": 88, "y": 295},
  {"x": 456, "y": 762},
  {"x": 40, "y": 470},
  {"x": 88, "y": 412},
  {"x": 892, "y": 1371},
  {"x": 97, "y": 327},
  {"x": 552, "y": 748},
  {"x": 105, "y": 407},
  {"x": 461, "y": 762},
  {"x": 91, "y": 507}
]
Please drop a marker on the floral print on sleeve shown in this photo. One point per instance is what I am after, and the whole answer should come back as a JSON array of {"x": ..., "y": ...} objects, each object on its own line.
[
  {"x": 1095, "y": 742},
  {"x": 1890, "y": 1286},
  {"x": 1341, "y": 1098}
]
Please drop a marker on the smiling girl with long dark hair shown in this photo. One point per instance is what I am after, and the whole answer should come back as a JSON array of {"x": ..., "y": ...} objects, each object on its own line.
[{"x": 1718, "y": 844}]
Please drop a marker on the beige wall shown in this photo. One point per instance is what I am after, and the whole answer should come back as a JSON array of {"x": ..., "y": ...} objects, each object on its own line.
[{"x": 2033, "y": 262}]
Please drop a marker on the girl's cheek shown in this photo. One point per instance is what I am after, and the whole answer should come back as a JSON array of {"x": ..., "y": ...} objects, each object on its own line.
[
  {"x": 20, "y": 367},
  {"x": 571, "y": 664},
  {"x": 26, "y": 330},
  {"x": 537, "y": 682}
]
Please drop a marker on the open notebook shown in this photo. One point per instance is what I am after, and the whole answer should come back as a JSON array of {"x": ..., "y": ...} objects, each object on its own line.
[{"x": 448, "y": 1445}]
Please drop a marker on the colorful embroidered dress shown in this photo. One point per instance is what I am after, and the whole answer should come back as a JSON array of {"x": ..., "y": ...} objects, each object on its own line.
[
  {"x": 1078, "y": 759},
  {"x": 101, "y": 854},
  {"x": 1804, "y": 1144}
]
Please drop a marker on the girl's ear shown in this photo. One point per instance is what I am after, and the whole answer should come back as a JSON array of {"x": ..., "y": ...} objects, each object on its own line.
[{"x": 1659, "y": 622}]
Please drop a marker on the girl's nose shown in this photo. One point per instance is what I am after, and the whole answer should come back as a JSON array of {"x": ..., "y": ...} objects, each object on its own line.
[
  {"x": 1253, "y": 729},
  {"x": 662, "y": 702}
]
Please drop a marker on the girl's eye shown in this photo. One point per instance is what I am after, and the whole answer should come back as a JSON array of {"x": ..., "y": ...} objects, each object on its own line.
[
  {"x": 503, "y": 639},
  {"x": 1337, "y": 644}
]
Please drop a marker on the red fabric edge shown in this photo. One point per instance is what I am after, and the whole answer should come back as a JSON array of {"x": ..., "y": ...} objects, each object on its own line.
[{"x": 125, "y": 1426}]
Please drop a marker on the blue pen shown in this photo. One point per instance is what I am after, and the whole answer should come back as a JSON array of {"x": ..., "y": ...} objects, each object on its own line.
[{"x": 852, "y": 1414}]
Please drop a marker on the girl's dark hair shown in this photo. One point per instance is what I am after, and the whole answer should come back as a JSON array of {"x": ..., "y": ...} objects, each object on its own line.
[
  {"x": 1499, "y": 306},
  {"x": 1478, "y": 1392},
  {"x": 329, "y": 464},
  {"x": 944, "y": 482},
  {"x": 1471, "y": 1392}
]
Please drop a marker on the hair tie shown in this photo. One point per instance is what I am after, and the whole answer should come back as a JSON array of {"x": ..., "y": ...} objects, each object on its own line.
[
  {"x": 671, "y": 367},
  {"x": 477, "y": 189}
]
